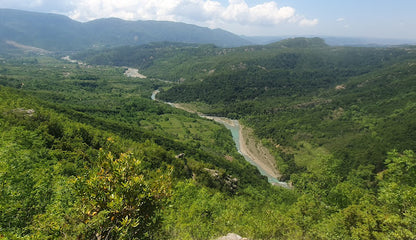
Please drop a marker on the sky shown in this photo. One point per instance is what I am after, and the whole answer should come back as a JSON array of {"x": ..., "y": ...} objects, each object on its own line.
[{"x": 395, "y": 19}]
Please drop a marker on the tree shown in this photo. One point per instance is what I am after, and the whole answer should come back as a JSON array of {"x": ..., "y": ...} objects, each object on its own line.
[
  {"x": 397, "y": 195},
  {"x": 120, "y": 200}
]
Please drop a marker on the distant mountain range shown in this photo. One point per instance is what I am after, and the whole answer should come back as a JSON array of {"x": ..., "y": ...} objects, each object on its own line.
[
  {"x": 43, "y": 32},
  {"x": 337, "y": 41},
  {"x": 55, "y": 32}
]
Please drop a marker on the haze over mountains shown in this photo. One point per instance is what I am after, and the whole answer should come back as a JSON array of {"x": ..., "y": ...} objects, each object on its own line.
[{"x": 55, "y": 32}]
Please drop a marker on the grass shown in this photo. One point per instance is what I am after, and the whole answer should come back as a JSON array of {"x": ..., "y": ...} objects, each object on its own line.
[{"x": 307, "y": 154}]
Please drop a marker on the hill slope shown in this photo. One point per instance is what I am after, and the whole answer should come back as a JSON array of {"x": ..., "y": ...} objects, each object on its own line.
[
  {"x": 300, "y": 94},
  {"x": 294, "y": 92},
  {"x": 59, "y": 33},
  {"x": 85, "y": 154}
]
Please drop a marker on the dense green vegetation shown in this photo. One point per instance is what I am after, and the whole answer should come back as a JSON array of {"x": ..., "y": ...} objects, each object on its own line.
[
  {"x": 61, "y": 139},
  {"x": 85, "y": 153},
  {"x": 298, "y": 94}
]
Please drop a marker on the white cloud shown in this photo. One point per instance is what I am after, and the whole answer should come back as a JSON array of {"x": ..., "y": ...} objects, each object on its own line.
[
  {"x": 206, "y": 12},
  {"x": 85, "y": 10},
  {"x": 263, "y": 14},
  {"x": 36, "y": 3},
  {"x": 340, "y": 20},
  {"x": 239, "y": 16},
  {"x": 308, "y": 23}
]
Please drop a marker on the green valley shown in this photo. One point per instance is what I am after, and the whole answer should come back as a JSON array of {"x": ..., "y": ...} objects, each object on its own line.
[{"x": 86, "y": 154}]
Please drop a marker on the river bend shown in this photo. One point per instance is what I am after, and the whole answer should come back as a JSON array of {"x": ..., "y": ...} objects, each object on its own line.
[{"x": 236, "y": 129}]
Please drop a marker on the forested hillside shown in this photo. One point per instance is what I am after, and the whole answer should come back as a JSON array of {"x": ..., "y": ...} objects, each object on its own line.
[
  {"x": 298, "y": 94},
  {"x": 72, "y": 136},
  {"x": 85, "y": 153}
]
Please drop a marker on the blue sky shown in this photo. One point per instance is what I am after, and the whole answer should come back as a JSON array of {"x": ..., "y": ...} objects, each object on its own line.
[{"x": 352, "y": 18}]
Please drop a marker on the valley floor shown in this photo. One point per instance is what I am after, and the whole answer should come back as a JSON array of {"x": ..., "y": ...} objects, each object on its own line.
[{"x": 250, "y": 146}]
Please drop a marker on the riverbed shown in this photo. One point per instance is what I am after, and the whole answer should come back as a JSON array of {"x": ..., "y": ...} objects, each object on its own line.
[{"x": 265, "y": 164}]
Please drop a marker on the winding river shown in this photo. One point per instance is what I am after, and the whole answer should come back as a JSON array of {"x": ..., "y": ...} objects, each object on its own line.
[{"x": 236, "y": 129}]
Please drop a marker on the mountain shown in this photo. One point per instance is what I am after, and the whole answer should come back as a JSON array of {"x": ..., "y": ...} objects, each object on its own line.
[
  {"x": 47, "y": 31},
  {"x": 337, "y": 41},
  {"x": 367, "y": 42},
  {"x": 59, "y": 33}
]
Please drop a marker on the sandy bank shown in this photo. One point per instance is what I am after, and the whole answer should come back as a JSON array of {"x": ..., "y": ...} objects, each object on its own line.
[
  {"x": 222, "y": 120},
  {"x": 257, "y": 152},
  {"x": 249, "y": 146}
]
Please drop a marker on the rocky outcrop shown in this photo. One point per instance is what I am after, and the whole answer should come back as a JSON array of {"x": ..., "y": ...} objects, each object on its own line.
[
  {"x": 231, "y": 236},
  {"x": 226, "y": 180},
  {"x": 21, "y": 112}
]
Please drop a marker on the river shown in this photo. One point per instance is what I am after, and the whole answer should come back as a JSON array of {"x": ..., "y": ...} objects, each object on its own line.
[{"x": 236, "y": 130}]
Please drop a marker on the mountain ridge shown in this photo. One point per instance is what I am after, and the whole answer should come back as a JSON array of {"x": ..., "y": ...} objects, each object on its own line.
[{"x": 56, "y": 32}]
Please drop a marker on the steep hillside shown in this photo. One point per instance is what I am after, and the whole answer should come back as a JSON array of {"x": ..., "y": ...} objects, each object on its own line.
[
  {"x": 296, "y": 93},
  {"x": 299, "y": 94},
  {"x": 47, "y": 31},
  {"x": 59, "y": 33},
  {"x": 85, "y": 154},
  {"x": 314, "y": 100},
  {"x": 192, "y": 61},
  {"x": 71, "y": 146}
]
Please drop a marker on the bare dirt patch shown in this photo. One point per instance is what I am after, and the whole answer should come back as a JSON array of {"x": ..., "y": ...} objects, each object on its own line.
[
  {"x": 133, "y": 72},
  {"x": 340, "y": 87},
  {"x": 28, "y": 48}
]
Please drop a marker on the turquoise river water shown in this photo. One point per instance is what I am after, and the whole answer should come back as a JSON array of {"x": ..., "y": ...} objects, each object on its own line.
[{"x": 234, "y": 126}]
